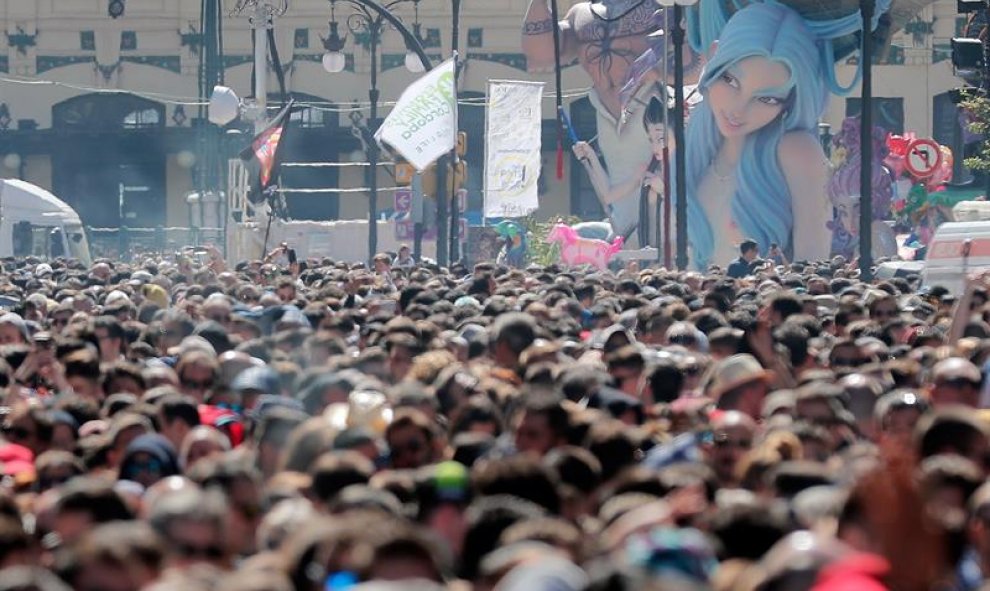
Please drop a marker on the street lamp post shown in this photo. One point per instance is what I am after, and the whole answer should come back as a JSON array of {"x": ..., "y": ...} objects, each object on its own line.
[
  {"x": 867, "y": 8},
  {"x": 455, "y": 214},
  {"x": 369, "y": 19},
  {"x": 677, "y": 37}
]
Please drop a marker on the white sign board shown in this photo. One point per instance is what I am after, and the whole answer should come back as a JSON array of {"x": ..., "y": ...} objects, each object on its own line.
[{"x": 512, "y": 148}]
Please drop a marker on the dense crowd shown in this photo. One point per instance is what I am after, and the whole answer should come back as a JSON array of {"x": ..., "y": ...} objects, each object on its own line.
[{"x": 318, "y": 425}]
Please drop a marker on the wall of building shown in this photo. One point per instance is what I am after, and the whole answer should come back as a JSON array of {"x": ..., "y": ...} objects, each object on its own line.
[{"x": 74, "y": 45}]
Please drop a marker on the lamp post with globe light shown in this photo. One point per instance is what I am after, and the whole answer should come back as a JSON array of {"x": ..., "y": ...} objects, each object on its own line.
[{"x": 369, "y": 19}]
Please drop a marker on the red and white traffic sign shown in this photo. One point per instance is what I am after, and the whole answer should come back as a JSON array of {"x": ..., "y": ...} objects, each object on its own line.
[{"x": 923, "y": 158}]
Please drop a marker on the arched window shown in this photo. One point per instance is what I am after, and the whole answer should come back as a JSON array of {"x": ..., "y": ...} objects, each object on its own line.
[{"x": 142, "y": 118}]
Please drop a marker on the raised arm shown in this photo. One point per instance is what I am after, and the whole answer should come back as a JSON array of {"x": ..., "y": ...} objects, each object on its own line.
[
  {"x": 537, "y": 37},
  {"x": 607, "y": 192}
]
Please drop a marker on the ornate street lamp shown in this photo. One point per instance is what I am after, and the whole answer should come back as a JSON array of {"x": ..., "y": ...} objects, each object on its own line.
[
  {"x": 369, "y": 20},
  {"x": 334, "y": 60}
]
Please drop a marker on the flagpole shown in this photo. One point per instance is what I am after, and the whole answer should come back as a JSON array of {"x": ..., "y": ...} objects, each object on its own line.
[
  {"x": 260, "y": 22},
  {"x": 455, "y": 206}
]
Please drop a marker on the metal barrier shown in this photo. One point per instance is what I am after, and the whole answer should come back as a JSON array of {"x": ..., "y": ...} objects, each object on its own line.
[{"x": 126, "y": 244}]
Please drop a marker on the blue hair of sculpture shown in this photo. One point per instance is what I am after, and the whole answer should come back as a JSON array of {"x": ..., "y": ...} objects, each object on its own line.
[{"x": 762, "y": 206}]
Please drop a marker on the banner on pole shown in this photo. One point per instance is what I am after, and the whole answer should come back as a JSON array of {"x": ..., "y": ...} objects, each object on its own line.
[
  {"x": 512, "y": 148},
  {"x": 422, "y": 125}
]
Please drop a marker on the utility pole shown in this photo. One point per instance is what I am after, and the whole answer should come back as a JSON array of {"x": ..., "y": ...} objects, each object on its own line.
[
  {"x": 866, "y": 145},
  {"x": 455, "y": 214},
  {"x": 681, "y": 170}
]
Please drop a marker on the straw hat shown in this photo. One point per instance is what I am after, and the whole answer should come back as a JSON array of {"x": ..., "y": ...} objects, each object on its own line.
[{"x": 735, "y": 371}]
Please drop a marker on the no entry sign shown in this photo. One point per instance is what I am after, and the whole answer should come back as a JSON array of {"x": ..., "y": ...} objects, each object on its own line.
[{"x": 923, "y": 158}]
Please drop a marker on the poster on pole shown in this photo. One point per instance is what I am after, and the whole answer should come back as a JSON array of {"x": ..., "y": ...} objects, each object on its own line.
[
  {"x": 423, "y": 124},
  {"x": 512, "y": 148}
]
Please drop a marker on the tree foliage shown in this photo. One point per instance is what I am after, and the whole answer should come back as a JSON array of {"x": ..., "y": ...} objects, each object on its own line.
[{"x": 977, "y": 106}]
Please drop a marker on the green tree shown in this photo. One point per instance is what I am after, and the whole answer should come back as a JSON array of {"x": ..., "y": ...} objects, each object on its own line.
[{"x": 978, "y": 106}]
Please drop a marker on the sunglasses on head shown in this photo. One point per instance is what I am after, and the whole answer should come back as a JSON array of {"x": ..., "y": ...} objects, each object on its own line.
[
  {"x": 848, "y": 361},
  {"x": 723, "y": 441},
  {"x": 152, "y": 466},
  {"x": 194, "y": 385},
  {"x": 14, "y": 432},
  {"x": 413, "y": 446},
  {"x": 209, "y": 552},
  {"x": 959, "y": 382}
]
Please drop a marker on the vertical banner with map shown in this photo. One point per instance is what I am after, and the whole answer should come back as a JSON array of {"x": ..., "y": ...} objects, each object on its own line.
[{"x": 512, "y": 148}]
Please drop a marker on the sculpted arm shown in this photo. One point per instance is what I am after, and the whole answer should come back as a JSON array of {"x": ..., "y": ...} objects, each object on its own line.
[
  {"x": 805, "y": 169},
  {"x": 537, "y": 37}
]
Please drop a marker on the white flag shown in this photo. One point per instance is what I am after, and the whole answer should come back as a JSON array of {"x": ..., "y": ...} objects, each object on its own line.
[
  {"x": 512, "y": 148},
  {"x": 423, "y": 124}
]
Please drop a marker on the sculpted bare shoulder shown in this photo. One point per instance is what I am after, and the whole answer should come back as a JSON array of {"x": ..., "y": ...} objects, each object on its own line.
[{"x": 800, "y": 152}]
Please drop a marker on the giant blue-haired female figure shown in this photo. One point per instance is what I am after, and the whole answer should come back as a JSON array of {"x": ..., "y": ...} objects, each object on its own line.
[{"x": 754, "y": 165}]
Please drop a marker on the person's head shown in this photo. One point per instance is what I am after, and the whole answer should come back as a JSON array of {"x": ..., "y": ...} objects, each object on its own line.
[
  {"x": 749, "y": 249},
  {"x": 956, "y": 381},
  {"x": 201, "y": 442},
  {"x": 122, "y": 556},
  {"x": 191, "y": 522},
  {"x": 13, "y": 330},
  {"x": 82, "y": 372},
  {"x": 148, "y": 459},
  {"x": 764, "y": 79},
  {"x": 897, "y": 414},
  {"x": 656, "y": 130},
  {"x": 177, "y": 415},
  {"x": 271, "y": 435},
  {"x": 884, "y": 308},
  {"x": 198, "y": 372},
  {"x": 109, "y": 335},
  {"x": 739, "y": 383},
  {"x": 30, "y": 427},
  {"x": 411, "y": 439},
  {"x": 732, "y": 437},
  {"x": 57, "y": 467},
  {"x": 383, "y": 262},
  {"x": 541, "y": 424},
  {"x": 626, "y": 367},
  {"x": 511, "y": 334},
  {"x": 85, "y": 502},
  {"x": 954, "y": 431}
]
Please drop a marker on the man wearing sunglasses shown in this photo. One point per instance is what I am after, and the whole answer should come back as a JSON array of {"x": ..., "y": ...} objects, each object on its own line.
[{"x": 732, "y": 437}]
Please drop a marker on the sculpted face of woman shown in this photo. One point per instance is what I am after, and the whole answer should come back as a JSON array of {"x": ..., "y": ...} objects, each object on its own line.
[{"x": 748, "y": 95}]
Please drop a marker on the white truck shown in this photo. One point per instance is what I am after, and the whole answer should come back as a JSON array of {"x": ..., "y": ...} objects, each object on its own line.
[
  {"x": 33, "y": 222},
  {"x": 959, "y": 247}
]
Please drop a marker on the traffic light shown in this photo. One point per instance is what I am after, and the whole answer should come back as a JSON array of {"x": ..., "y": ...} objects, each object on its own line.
[
  {"x": 967, "y": 6},
  {"x": 967, "y": 57}
]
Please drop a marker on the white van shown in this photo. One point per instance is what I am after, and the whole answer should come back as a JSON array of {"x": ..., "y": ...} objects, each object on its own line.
[
  {"x": 33, "y": 222},
  {"x": 957, "y": 249}
]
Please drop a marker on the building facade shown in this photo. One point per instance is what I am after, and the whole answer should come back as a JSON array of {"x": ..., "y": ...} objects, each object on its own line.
[{"x": 106, "y": 112}]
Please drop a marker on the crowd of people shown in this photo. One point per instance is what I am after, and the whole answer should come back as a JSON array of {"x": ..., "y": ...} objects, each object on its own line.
[{"x": 319, "y": 425}]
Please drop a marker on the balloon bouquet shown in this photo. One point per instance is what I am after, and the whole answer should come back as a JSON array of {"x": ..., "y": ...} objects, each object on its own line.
[
  {"x": 844, "y": 193},
  {"x": 922, "y": 204}
]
